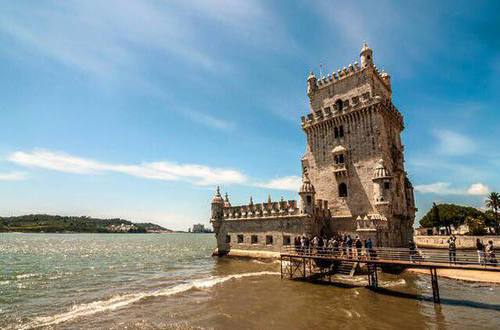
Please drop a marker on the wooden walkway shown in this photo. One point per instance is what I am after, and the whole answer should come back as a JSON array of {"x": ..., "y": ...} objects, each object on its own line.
[{"x": 314, "y": 263}]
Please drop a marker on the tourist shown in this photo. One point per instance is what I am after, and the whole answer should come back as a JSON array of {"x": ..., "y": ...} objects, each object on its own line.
[
  {"x": 358, "y": 246},
  {"x": 344, "y": 248},
  {"x": 348, "y": 243},
  {"x": 297, "y": 244},
  {"x": 480, "y": 251},
  {"x": 303, "y": 244},
  {"x": 369, "y": 247},
  {"x": 413, "y": 250},
  {"x": 335, "y": 245},
  {"x": 490, "y": 253},
  {"x": 452, "y": 249}
]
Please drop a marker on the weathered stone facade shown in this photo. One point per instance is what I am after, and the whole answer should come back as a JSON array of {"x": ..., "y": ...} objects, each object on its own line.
[{"x": 353, "y": 170}]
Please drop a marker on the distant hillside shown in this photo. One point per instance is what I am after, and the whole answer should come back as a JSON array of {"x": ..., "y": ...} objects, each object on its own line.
[
  {"x": 36, "y": 223},
  {"x": 151, "y": 227}
]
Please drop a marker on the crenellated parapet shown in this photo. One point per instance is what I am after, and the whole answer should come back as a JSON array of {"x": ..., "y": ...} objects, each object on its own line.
[
  {"x": 352, "y": 111},
  {"x": 371, "y": 222},
  {"x": 262, "y": 210}
]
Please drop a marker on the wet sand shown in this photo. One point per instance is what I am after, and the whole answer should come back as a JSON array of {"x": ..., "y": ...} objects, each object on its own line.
[{"x": 464, "y": 275}]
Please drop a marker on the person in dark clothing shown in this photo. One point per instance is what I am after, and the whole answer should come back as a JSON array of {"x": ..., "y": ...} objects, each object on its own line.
[
  {"x": 480, "y": 251},
  {"x": 369, "y": 248},
  {"x": 358, "y": 246},
  {"x": 296, "y": 243},
  {"x": 452, "y": 249},
  {"x": 348, "y": 243}
]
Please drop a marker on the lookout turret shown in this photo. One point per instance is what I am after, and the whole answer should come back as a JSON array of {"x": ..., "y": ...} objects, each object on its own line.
[
  {"x": 217, "y": 221},
  {"x": 366, "y": 56}
]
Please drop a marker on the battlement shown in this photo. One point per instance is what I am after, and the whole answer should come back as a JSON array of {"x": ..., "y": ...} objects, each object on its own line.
[
  {"x": 262, "y": 210},
  {"x": 366, "y": 103},
  {"x": 352, "y": 71}
]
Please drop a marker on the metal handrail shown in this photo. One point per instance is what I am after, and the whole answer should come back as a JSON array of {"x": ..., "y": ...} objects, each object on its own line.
[{"x": 417, "y": 256}]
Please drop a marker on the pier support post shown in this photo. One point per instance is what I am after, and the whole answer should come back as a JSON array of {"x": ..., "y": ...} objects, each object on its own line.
[
  {"x": 281, "y": 266},
  {"x": 372, "y": 275},
  {"x": 435, "y": 286}
]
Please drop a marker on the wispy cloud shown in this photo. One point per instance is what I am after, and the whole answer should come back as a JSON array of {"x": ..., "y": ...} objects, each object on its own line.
[
  {"x": 446, "y": 188},
  {"x": 208, "y": 120},
  {"x": 13, "y": 176},
  {"x": 111, "y": 37},
  {"x": 291, "y": 183},
  {"x": 453, "y": 144},
  {"x": 162, "y": 170}
]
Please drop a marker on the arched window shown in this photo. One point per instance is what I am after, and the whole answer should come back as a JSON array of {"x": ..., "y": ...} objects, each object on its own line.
[
  {"x": 342, "y": 190},
  {"x": 336, "y": 132},
  {"x": 341, "y": 159},
  {"x": 338, "y": 104},
  {"x": 341, "y": 131}
]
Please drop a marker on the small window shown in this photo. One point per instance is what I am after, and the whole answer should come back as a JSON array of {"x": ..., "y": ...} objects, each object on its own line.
[
  {"x": 387, "y": 185},
  {"x": 338, "y": 104},
  {"x": 269, "y": 239},
  {"x": 336, "y": 132},
  {"x": 228, "y": 238},
  {"x": 287, "y": 240},
  {"x": 342, "y": 190},
  {"x": 341, "y": 159},
  {"x": 341, "y": 131},
  {"x": 309, "y": 200},
  {"x": 240, "y": 239},
  {"x": 255, "y": 239}
]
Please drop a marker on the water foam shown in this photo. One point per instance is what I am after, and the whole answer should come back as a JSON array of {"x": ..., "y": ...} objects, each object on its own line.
[{"x": 123, "y": 300}]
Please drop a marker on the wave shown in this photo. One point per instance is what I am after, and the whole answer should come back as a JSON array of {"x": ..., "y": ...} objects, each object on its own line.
[
  {"x": 123, "y": 300},
  {"x": 22, "y": 276}
]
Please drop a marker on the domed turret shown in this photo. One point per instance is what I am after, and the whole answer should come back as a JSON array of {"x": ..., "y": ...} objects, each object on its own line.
[
  {"x": 307, "y": 186},
  {"x": 217, "y": 199},
  {"x": 380, "y": 172},
  {"x": 366, "y": 56},
  {"x": 311, "y": 83},
  {"x": 307, "y": 193},
  {"x": 226, "y": 201}
]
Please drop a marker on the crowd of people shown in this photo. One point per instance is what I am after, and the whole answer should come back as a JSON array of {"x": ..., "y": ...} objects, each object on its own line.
[
  {"x": 341, "y": 246},
  {"x": 485, "y": 253},
  {"x": 345, "y": 246}
]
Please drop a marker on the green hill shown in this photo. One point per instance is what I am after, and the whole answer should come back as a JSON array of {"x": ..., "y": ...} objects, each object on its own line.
[{"x": 37, "y": 223}]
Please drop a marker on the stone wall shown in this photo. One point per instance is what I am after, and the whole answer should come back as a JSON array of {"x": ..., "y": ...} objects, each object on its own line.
[
  {"x": 278, "y": 228},
  {"x": 462, "y": 242}
]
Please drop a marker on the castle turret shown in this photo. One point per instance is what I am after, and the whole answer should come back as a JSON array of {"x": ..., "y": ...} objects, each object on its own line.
[
  {"x": 217, "y": 221},
  {"x": 307, "y": 194},
  {"x": 381, "y": 183},
  {"x": 311, "y": 84},
  {"x": 366, "y": 56}
]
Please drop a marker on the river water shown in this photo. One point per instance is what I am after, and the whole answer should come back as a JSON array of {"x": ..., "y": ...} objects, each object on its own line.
[{"x": 170, "y": 281}]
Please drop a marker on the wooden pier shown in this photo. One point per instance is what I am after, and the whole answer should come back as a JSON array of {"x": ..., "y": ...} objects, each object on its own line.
[{"x": 322, "y": 263}]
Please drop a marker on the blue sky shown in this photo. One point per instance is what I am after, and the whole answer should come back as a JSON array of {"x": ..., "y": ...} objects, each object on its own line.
[{"x": 138, "y": 109}]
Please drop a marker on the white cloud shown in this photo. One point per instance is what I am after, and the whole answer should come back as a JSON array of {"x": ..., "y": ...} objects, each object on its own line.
[
  {"x": 291, "y": 183},
  {"x": 445, "y": 188},
  {"x": 453, "y": 144},
  {"x": 478, "y": 189},
  {"x": 208, "y": 120},
  {"x": 13, "y": 176},
  {"x": 162, "y": 170}
]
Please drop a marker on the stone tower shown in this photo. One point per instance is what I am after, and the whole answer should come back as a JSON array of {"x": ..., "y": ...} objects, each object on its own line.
[
  {"x": 217, "y": 221},
  {"x": 354, "y": 155}
]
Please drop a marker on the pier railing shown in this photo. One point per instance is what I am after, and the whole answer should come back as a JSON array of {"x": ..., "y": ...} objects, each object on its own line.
[{"x": 397, "y": 255}]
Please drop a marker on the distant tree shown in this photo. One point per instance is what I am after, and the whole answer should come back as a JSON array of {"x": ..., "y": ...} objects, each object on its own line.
[
  {"x": 493, "y": 202},
  {"x": 446, "y": 215},
  {"x": 476, "y": 225}
]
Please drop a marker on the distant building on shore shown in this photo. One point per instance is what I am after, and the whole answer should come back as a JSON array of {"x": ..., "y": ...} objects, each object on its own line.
[
  {"x": 353, "y": 175},
  {"x": 200, "y": 228}
]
